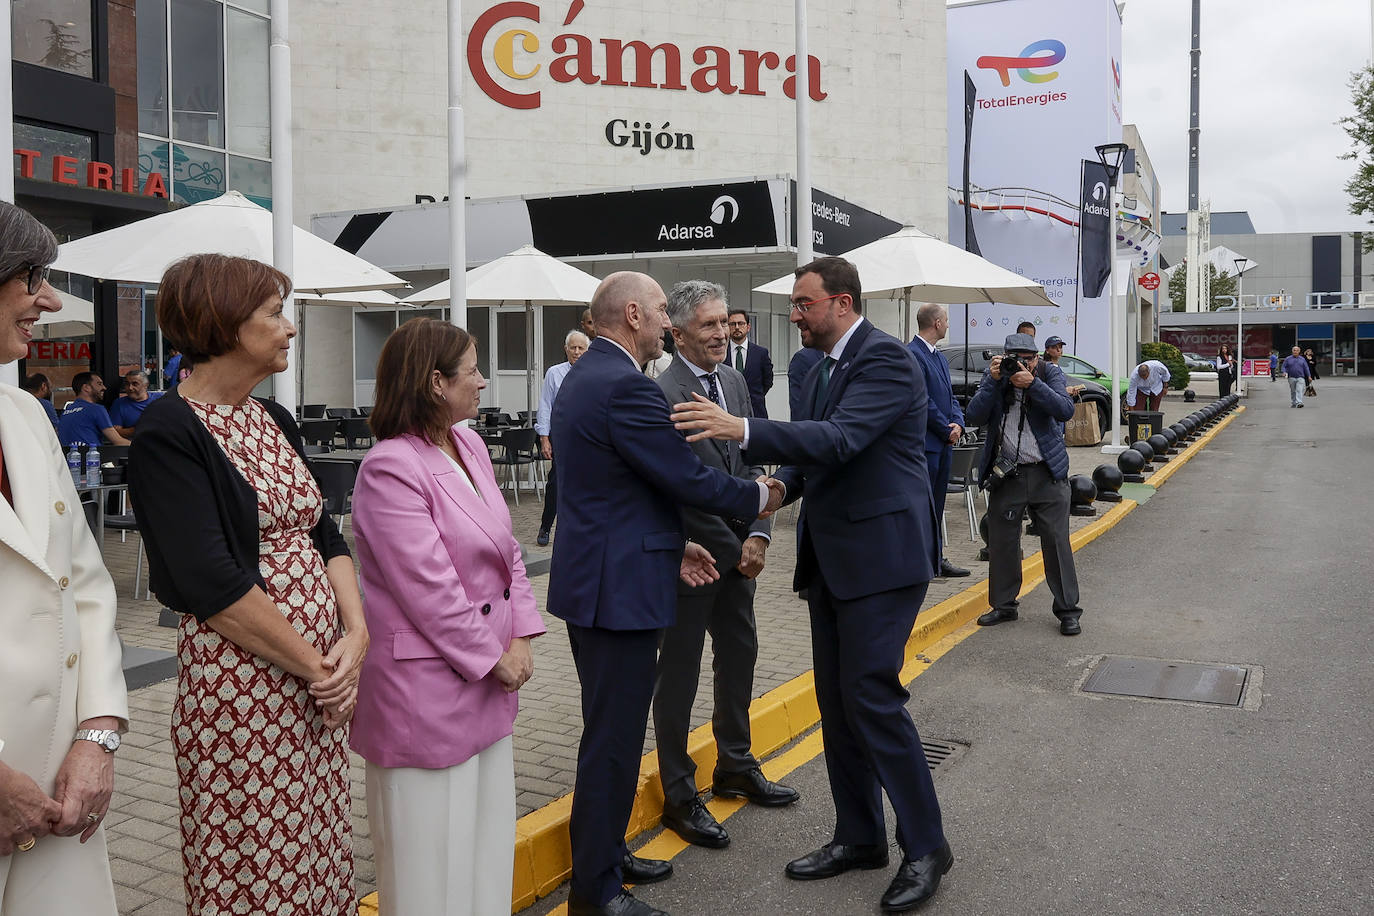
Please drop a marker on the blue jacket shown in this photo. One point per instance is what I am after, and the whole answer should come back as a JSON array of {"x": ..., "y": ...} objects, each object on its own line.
[
  {"x": 868, "y": 524},
  {"x": 1048, "y": 408},
  {"x": 623, "y": 472},
  {"x": 758, "y": 375},
  {"x": 801, "y": 364},
  {"x": 943, "y": 409}
]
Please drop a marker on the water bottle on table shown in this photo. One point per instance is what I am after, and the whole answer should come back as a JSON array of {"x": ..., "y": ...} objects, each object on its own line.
[
  {"x": 74, "y": 465},
  {"x": 92, "y": 467}
]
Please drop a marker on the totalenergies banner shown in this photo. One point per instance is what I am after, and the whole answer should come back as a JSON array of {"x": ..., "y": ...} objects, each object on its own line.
[{"x": 1047, "y": 74}]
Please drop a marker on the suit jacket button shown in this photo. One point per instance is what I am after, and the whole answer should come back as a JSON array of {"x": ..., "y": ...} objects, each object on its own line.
[
  {"x": 486, "y": 609},
  {"x": 71, "y": 660},
  {"x": 507, "y": 595}
]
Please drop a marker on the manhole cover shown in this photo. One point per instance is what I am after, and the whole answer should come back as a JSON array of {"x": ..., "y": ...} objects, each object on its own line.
[
  {"x": 939, "y": 753},
  {"x": 1161, "y": 679}
]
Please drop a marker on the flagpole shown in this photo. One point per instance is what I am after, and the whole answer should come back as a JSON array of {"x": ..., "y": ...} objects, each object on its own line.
[
  {"x": 457, "y": 175},
  {"x": 805, "y": 253},
  {"x": 283, "y": 191}
]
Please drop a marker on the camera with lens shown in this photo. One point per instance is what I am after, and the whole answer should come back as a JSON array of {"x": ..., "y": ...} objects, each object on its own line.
[
  {"x": 1011, "y": 364},
  {"x": 1003, "y": 469}
]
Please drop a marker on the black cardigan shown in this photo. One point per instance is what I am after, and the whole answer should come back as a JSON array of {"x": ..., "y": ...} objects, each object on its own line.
[{"x": 196, "y": 514}]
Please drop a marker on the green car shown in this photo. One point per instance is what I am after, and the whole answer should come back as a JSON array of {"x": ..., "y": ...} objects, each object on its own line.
[{"x": 1080, "y": 368}]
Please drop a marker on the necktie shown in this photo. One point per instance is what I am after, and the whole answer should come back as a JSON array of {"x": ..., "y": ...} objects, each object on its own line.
[
  {"x": 823, "y": 386},
  {"x": 739, "y": 357},
  {"x": 712, "y": 390}
]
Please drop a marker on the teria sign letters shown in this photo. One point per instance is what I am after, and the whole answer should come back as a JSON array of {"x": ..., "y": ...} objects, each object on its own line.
[
  {"x": 615, "y": 61},
  {"x": 99, "y": 176}
]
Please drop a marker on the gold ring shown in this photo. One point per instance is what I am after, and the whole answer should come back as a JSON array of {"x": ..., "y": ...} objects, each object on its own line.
[
  {"x": 26, "y": 846},
  {"x": 93, "y": 818}
]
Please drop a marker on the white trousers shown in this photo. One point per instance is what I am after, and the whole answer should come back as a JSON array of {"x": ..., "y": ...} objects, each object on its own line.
[
  {"x": 59, "y": 876},
  {"x": 444, "y": 840}
]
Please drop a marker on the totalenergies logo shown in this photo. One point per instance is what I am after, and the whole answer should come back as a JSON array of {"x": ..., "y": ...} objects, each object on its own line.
[
  {"x": 1036, "y": 56},
  {"x": 614, "y": 61}
]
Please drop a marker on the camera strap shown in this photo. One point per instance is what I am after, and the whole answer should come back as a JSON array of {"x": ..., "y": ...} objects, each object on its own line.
[{"x": 1020, "y": 395}]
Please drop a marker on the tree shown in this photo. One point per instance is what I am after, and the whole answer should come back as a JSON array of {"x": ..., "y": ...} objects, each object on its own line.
[
  {"x": 1360, "y": 128},
  {"x": 1223, "y": 285}
]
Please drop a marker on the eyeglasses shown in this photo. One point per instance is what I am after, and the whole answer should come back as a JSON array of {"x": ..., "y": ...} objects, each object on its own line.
[
  {"x": 37, "y": 275},
  {"x": 806, "y": 305}
]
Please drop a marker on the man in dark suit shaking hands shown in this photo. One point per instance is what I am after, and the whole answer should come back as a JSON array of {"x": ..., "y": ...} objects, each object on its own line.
[
  {"x": 618, "y": 556},
  {"x": 867, "y": 549},
  {"x": 750, "y": 360},
  {"x": 725, "y": 608},
  {"x": 944, "y": 419}
]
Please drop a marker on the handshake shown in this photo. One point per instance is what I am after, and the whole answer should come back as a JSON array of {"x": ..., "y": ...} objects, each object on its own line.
[{"x": 699, "y": 567}]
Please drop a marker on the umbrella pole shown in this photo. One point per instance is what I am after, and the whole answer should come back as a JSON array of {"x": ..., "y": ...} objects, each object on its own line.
[
  {"x": 529, "y": 362},
  {"x": 284, "y": 388}
]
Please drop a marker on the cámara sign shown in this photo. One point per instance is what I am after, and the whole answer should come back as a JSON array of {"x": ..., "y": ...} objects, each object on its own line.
[
  {"x": 99, "y": 176},
  {"x": 616, "y": 62}
]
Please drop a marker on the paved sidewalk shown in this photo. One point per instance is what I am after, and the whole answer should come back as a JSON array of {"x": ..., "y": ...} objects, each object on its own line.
[{"x": 142, "y": 828}]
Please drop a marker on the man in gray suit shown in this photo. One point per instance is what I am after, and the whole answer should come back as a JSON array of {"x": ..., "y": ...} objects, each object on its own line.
[{"x": 724, "y": 608}]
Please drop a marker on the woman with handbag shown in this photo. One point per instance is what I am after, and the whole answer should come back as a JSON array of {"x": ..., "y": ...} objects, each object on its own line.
[
  {"x": 1226, "y": 370},
  {"x": 1311, "y": 391}
]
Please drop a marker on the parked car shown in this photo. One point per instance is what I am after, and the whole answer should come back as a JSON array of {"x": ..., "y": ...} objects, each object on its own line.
[
  {"x": 966, "y": 375},
  {"x": 1199, "y": 363},
  {"x": 1080, "y": 368}
]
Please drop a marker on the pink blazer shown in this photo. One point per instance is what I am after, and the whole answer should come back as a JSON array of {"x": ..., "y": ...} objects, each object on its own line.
[{"x": 444, "y": 593}]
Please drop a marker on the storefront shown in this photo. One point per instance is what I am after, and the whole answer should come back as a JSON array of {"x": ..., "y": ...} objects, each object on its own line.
[{"x": 1341, "y": 339}]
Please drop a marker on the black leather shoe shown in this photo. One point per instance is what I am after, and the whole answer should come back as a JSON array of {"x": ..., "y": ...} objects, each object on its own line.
[
  {"x": 1069, "y": 626},
  {"x": 542, "y": 539},
  {"x": 623, "y": 904},
  {"x": 695, "y": 824},
  {"x": 834, "y": 859},
  {"x": 993, "y": 617},
  {"x": 634, "y": 870},
  {"x": 753, "y": 786},
  {"x": 949, "y": 571},
  {"x": 917, "y": 880}
]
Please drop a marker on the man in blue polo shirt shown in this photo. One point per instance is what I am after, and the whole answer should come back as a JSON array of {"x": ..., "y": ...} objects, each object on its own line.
[
  {"x": 39, "y": 386},
  {"x": 84, "y": 420},
  {"x": 128, "y": 409}
]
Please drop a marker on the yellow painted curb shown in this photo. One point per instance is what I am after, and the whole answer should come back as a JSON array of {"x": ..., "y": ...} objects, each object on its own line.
[{"x": 543, "y": 852}]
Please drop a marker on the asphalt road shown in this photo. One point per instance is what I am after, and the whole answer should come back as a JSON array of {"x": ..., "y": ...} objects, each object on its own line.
[{"x": 1257, "y": 553}]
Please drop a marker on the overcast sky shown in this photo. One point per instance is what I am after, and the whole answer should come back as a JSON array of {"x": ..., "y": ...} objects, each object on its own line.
[{"x": 1274, "y": 75}]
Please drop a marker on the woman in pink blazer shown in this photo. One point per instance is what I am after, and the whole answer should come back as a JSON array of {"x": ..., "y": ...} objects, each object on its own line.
[{"x": 451, "y": 615}]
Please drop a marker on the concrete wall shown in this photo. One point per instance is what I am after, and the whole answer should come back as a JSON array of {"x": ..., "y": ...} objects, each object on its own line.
[{"x": 1284, "y": 263}]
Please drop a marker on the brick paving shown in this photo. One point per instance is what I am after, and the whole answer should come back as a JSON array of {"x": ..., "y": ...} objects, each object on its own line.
[{"x": 142, "y": 828}]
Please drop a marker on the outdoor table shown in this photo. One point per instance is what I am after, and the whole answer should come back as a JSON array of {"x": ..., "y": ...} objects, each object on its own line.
[{"x": 355, "y": 455}]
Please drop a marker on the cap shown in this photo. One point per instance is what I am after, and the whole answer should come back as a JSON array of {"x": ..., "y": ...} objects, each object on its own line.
[
  {"x": 1021, "y": 342},
  {"x": 1054, "y": 342}
]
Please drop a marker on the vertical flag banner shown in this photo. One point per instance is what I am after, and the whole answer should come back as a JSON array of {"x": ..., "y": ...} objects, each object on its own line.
[{"x": 1095, "y": 228}]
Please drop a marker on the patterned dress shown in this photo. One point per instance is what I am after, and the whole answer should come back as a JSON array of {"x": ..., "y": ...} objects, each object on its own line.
[{"x": 265, "y": 810}]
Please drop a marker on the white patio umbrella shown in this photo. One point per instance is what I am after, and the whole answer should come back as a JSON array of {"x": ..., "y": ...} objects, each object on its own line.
[
  {"x": 362, "y": 299},
  {"x": 525, "y": 275},
  {"x": 230, "y": 224},
  {"x": 76, "y": 319}
]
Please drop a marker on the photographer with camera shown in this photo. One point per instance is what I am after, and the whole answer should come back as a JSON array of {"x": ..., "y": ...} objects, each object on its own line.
[{"x": 1022, "y": 403}]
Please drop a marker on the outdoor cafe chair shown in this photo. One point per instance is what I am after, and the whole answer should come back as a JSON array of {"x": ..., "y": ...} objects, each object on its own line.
[
  {"x": 962, "y": 478},
  {"x": 338, "y": 413},
  {"x": 336, "y": 479},
  {"x": 319, "y": 432},
  {"x": 355, "y": 430},
  {"x": 312, "y": 412},
  {"x": 519, "y": 448}
]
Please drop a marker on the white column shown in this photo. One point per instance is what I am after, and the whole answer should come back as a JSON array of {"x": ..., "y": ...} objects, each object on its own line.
[
  {"x": 457, "y": 173},
  {"x": 9, "y": 372},
  {"x": 283, "y": 189},
  {"x": 1116, "y": 304},
  {"x": 805, "y": 254}
]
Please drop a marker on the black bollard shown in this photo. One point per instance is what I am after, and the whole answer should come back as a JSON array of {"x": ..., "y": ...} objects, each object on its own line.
[
  {"x": 1108, "y": 480},
  {"x": 1171, "y": 438},
  {"x": 1131, "y": 462},
  {"x": 1161, "y": 447},
  {"x": 1082, "y": 492},
  {"x": 1189, "y": 395}
]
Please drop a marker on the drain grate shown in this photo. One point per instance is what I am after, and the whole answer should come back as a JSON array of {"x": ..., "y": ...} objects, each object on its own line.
[
  {"x": 939, "y": 753},
  {"x": 1162, "y": 679}
]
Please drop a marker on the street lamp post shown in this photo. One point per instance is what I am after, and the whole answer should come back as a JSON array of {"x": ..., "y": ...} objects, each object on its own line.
[
  {"x": 1111, "y": 154},
  {"x": 1241, "y": 265}
]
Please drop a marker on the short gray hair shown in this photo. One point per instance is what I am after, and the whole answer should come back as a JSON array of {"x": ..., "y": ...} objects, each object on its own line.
[
  {"x": 688, "y": 296},
  {"x": 568, "y": 338},
  {"x": 132, "y": 372},
  {"x": 24, "y": 241}
]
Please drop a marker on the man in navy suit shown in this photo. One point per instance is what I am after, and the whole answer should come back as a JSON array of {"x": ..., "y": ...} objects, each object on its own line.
[
  {"x": 797, "y": 370},
  {"x": 750, "y": 360},
  {"x": 944, "y": 419},
  {"x": 619, "y": 553},
  {"x": 867, "y": 550}
]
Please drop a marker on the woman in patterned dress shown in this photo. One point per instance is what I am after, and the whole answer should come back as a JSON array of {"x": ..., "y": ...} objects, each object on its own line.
[{"x": 272, "y": 637}]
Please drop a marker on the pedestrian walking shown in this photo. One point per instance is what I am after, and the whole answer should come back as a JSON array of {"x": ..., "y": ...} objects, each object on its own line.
[
  {"x": 1299, "y": 376},
  {"x": 1226, "y": 370},
  {"x": 1312, "y": 370}
]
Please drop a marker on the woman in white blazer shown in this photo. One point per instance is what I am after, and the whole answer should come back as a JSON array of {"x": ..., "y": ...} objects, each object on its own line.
[{"x": 62, "y": 699}]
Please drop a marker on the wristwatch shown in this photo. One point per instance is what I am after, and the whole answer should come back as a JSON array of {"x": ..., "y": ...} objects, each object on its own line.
[{"x": 108, "y": 739}]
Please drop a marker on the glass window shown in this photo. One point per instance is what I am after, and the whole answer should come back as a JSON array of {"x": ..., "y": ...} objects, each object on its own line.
[
  {"x": 198, "y": 72},
  {"x": 252, "y": 178},
  {"x": 152, "y": 66},
  {"x": 248, "y": 98},
  {"x": 197, "y": 174},
  {"x": 54, "y": 34},
  {"x": 257, "y": 6},
  {"x": 479, "y": 319},
  {"x": 152, "y": 157},
  {"x": 49, "y": 142},
  {"x": 510, "y": 341},
  {"x": 558, "y": 321}
]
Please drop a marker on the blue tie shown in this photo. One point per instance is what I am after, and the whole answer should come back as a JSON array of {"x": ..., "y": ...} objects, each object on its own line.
[{"x": 712, "y": 391}]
